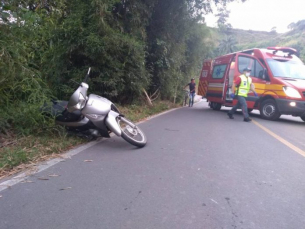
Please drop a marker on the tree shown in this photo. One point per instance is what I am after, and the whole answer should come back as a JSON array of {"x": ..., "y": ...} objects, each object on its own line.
[
  {"x": 291, "y": 26},
  {"x": 131, "y": 45},
  {"x": 273, "y": 29},
  {"x": 300, "y": 25},
  {"x": 223, "y": 15},
  {"x": 227, "y": 45}
]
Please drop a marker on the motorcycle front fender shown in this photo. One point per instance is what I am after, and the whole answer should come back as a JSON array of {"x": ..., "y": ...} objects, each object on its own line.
[{"x": 112, "y": 123}]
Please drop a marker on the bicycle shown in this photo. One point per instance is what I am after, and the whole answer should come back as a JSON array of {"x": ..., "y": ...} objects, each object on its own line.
[{"x": 186, "y": 97}]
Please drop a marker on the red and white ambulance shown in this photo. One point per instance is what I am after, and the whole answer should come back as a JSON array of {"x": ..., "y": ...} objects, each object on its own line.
[{"x": 277, "y": 73}]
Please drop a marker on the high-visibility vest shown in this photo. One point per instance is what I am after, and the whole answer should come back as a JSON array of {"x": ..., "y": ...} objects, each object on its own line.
[{"x": 244, "y": 86}]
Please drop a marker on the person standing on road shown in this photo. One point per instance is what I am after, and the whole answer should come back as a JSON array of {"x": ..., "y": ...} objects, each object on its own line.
[
  {"x": 241, "y": 87},
  {"x": 192, "y": 87}
]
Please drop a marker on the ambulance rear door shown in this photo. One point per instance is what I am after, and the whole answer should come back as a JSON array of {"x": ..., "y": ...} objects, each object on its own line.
[
  {"x": 218, "y": 80},
  {"x": 229, "y": 81},
  {"x": 203, "y": 79}
]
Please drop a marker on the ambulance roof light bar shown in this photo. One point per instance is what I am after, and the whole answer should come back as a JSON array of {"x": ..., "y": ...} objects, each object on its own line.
[{"x": 283, "y": 49}]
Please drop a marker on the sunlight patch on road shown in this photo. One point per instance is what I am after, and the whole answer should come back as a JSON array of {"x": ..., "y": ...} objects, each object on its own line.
[{"x": 282, "y": 140}]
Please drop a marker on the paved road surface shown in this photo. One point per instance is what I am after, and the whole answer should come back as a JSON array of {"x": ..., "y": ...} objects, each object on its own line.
[{"x": 199, "y": 170}]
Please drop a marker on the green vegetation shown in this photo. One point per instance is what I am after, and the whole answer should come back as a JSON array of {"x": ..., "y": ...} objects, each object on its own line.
[
  {"x": 231, "y": 40},
  {"x": 247, "y": 39},
  {"x": 135, "y": 48},
  {"x": 257, "y": 39},
  {"x": 132, "y": 46},
  {"x": 139, "y": 112},
  {"x": 138, "y": 50},
  {"x": 23, "y": 152}
]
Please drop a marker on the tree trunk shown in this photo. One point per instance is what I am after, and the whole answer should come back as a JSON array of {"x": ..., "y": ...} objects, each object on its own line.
[{"x": 147, "y": 97}]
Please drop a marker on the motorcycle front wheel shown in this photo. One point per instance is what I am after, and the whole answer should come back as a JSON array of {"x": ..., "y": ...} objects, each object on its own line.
[{"x": 131, "y": 132}]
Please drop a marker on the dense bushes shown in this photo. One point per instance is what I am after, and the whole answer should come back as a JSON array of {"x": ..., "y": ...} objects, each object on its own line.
[{"x": 130, "y": 45}]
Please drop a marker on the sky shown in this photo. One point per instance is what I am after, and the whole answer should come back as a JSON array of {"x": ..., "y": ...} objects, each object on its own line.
[{"x": 262, "y": 15}]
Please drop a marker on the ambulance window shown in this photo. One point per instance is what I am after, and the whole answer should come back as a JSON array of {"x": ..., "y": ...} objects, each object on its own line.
[
  {"x": 244, "y": 62},
  {"x": 247, "y": 62},
  {"x": 263, "y": 62},
  {"x": 219, "y": 71},
  {"x": 258, "y": 70}
]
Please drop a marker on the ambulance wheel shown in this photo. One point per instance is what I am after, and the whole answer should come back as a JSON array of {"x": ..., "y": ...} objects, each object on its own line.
[
  {"x": 303, "y": 118},
  {"x": 269, "y": 110},
  {"x": 215, "y": 106}
]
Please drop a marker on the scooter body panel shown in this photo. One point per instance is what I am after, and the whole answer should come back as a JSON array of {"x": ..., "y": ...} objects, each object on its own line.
[
  {"x": 98, "y": 111},
  {"x": 74, "y": 99},
  {"x": 97, "y": 105},
  {"x": 112, "y": 123}
]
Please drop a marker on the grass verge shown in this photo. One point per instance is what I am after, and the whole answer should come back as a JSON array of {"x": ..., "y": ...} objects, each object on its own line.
[{"x": 20, "y": 153}]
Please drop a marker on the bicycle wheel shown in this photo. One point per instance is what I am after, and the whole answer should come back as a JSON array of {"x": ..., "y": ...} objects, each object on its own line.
[{"x": 185, "y": 100}]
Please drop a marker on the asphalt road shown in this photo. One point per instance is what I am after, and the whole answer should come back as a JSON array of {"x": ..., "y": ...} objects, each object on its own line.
[{"x": 199, "y": 170}]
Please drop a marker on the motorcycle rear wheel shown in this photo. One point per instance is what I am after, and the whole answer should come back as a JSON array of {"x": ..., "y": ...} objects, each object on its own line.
[{"x": 134, "y": 136}]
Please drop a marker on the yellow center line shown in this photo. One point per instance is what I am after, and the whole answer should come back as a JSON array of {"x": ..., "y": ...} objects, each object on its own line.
[{"x": 282, "y": 140}]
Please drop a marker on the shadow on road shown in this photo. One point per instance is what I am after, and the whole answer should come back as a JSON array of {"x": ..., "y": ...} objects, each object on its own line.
[
  {"x": 117, "y": 145},
  {"x": 284, "y": 119}
]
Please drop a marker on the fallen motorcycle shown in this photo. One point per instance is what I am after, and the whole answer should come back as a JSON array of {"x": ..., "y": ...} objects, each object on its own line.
[{"x": 94, "y": 116}]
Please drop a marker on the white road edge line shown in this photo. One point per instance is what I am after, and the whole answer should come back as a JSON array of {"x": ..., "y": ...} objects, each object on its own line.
[
  {"x": 47, "y": 164},
  {"x": 44, "y": 165}
]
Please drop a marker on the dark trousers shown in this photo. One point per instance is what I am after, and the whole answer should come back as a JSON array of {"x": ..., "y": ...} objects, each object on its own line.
[{"x": 242, "y": 103}]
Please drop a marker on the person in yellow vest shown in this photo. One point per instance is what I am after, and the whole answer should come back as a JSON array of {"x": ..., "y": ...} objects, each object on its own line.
[{"x": 241, "y": 87}]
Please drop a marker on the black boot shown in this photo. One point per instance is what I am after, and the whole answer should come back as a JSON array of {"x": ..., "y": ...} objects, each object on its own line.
[{"x": 230, "y": 115}]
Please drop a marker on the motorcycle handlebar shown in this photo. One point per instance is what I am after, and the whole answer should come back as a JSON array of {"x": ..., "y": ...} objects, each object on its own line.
[{"x": 86, "y": 77}]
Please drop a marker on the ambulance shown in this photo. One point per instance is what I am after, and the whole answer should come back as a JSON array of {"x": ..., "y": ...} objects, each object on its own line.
[{"x": 277, "y": 73}]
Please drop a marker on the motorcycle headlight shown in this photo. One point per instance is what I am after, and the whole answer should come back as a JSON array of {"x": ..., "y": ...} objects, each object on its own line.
[
  {"x": 291, "y": 92},
  {"x": 81, "y": 102}
]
